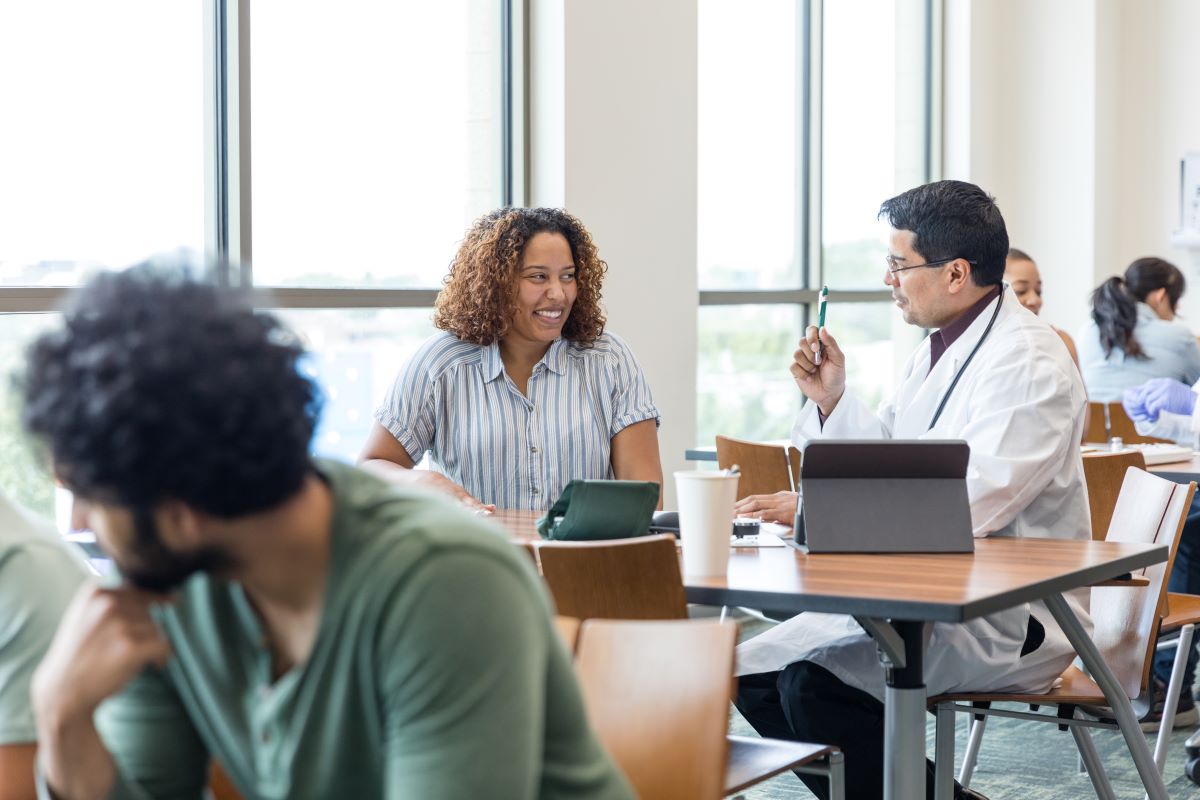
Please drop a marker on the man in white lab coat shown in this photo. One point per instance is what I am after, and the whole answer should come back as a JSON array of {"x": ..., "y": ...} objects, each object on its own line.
[{"x": 991, "y": 373}]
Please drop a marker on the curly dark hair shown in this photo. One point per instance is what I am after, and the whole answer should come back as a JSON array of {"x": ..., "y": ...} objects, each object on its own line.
[
  {"x": 478, "y": 300},
  {"x": 160, "y": 387}
]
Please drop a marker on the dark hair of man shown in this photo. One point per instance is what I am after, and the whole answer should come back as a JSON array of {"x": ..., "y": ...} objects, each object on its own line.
[
  {"x": 1016, "y": 254},
  {"x": 953, "y": 219},
  {"x": 1114, "y": 302},
  {"x": 158, "y": 387}
]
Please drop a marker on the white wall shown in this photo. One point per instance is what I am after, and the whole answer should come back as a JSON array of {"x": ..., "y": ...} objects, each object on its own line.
[
  {"x": 613, "y": 140},
  {"x": 1158, "y": 119},
  {"x": 1074, "y": 114}
]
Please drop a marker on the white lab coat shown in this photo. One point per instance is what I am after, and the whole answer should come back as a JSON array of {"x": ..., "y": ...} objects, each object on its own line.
[{"x": 1020, "y": 406}]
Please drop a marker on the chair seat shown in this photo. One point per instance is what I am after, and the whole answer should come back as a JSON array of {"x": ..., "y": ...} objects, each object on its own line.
[
  {"x": 752, "y": 760},
  {"x": 1182, "y": 609},
  {"x": 1076, "y": 688}
]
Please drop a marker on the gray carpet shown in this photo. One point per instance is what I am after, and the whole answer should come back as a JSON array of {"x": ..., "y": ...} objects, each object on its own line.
[{"x": 1018, "y": 759}]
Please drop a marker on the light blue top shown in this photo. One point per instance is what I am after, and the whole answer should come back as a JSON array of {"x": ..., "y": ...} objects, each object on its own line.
[
  {"x": 39, "y": 574},
  {"x": 454, "y": 400},
  {"x": 1170, "y": 346}
]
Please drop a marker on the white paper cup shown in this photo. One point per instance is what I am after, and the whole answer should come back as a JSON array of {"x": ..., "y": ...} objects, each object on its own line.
[{"x": 705, "y": 520}]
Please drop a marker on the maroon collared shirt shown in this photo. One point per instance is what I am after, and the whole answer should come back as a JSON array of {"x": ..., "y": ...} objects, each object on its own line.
[{"x": 940, "y": 340}]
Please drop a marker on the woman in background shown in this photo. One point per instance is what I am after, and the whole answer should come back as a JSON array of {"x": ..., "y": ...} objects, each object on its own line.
[
  {"x": 523, "y": 390},
  {"x": 1133, "y": 336},
  {"x": 1021, "y": 272}
]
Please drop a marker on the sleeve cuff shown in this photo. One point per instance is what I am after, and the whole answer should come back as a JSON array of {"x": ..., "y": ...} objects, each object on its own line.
[
  {"x": 403, "y": 435},
  {"x": 632, "y": 418}
]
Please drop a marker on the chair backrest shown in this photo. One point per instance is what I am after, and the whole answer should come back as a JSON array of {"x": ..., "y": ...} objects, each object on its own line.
[
  {"x": 220, "y": 787},
  {"x": 1096, "y": 429},
  {"x": 530, "y": 553},
  {"x": 657, "y": 694},
  {"x": 615, "y": 579},
  {"x": 1150, "y": 510},
  {"x": 1115, "y": 423},
  {"x": 765, "y": 468},
  {"x": 1104, "y": 474},
  {"x": 568, "y": 631}
]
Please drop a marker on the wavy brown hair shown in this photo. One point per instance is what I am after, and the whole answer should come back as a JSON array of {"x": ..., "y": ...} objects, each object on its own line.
[{"x": 478, "y": 299}]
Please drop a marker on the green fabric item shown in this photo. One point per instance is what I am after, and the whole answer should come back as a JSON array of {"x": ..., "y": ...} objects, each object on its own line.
[
  {"x": 436, "y": 673},
  {"x": 39, "y": 574},
  {"x": 598, "y": 509}
]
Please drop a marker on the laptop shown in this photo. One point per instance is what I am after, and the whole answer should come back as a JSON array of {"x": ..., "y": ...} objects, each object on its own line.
[{"x": 884, "y": 496}]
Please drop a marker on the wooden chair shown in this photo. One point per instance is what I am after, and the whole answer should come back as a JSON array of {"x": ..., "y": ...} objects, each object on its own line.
[
  {"x": 615, "y": 579},
  {"x": 1116, "y": 423},
  {"x": 1096, "y": 429},
  {"x": 1104, "y": 473},
  {"x": 657, "y": 694},
  {"x": 219, "y": 784},
  {"x": 765, "y": 468},
  {"x": 531, "y": 553},
  {"x": 1127, "y": 618},
  {"x": 568, "y": 631}
]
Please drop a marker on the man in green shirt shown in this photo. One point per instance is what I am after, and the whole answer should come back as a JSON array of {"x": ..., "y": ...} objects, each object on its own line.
[
  {"x": 317, "y": 632},
  {"x": 39, "y": 573}
]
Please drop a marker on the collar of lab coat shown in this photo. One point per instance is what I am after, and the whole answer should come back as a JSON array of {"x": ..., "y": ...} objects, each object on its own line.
[{"x": 919, "y": 397}]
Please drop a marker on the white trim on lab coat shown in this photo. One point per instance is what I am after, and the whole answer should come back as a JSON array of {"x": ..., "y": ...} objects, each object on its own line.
[{"x": 1020, "y": 405}]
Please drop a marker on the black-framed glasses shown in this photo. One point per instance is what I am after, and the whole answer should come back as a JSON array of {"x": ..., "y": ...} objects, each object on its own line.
[{"x": 893, "y": 269}]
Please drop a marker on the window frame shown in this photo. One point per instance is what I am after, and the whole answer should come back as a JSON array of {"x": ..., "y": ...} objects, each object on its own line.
[
  {"x": 228, "y": 222},
  {"x": 808, "y": 251}
]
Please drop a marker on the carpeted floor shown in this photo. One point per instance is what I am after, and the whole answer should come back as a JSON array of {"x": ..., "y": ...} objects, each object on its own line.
[{"x": 1020, "y": 760}]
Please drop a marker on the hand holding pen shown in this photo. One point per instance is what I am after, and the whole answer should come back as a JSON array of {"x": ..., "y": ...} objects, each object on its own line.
[{"x": 818, "y": 365}]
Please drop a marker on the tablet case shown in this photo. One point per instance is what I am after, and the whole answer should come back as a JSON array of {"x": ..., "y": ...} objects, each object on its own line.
[
  {"x": 599, "y": 509},
  {"x": 884, "y": 496}
]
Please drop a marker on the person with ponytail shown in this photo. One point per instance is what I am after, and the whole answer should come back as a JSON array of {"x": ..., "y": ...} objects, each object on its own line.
[{"x": 1134, "y": 336}]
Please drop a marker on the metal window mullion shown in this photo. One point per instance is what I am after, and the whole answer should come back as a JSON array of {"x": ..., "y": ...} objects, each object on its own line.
[
  {"x": 237, "y": 140},
  {"x": 934, "y": 85},
  {"x": 815, "y": 30}
]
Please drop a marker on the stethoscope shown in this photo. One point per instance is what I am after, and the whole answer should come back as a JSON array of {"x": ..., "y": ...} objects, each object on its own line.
[{"x": 942, "y": 405}]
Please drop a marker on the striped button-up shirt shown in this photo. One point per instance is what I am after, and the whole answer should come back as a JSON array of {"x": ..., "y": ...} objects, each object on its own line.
[{"x": 454, "y": 400}]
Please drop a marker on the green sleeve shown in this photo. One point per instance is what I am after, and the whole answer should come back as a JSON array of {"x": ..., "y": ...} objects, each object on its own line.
[
  {"x": 462, "y": 657},
  {"x": 36, "y": 584},
  {"x": 149, "y": 734}
]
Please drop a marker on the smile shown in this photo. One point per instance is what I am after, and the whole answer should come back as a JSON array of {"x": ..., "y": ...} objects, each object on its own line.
[{"x": 549, "y": 314}]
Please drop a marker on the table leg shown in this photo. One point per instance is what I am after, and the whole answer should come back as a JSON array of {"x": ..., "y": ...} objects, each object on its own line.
[
  {"x": 904, "y": 719},
  {"x": 1117, "y": 701}
]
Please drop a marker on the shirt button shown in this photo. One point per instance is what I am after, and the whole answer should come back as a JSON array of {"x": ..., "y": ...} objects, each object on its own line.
[
  {"x": 535, "y": 490},
  {"x": 533, "y": 449},
  {"x": 265, "y": 736}
]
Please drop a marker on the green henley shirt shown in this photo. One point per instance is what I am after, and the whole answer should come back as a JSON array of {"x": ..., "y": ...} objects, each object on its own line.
[{"x": 436, "y": 673}]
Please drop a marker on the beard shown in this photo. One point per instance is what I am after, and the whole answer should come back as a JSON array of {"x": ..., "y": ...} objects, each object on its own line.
[{"x": 155, "y": 568}]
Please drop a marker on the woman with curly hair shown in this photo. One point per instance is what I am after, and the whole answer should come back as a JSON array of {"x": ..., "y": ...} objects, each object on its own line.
[{"x": 523, "y": 390}]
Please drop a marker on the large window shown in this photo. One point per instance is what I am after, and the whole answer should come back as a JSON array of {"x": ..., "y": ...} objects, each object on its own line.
[
  {"x": 811, "y": 114},
  {"x": 377, "y": 138},
  {"x": 330, "y": 156}
]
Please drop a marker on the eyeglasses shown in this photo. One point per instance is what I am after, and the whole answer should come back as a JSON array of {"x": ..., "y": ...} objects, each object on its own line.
[{"x": 893, "y": 269}]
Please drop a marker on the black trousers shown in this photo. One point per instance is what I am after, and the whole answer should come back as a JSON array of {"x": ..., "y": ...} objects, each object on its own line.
[{"x": 805, "y": 702}]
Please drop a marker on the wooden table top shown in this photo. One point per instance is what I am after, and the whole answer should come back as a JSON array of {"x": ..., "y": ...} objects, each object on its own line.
[{"x": 938, "y": 587}]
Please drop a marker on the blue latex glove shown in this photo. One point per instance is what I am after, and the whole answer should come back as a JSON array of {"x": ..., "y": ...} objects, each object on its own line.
[
  {"x": 1134, "y": 402},
  {"x": 1167, "y": 394}
]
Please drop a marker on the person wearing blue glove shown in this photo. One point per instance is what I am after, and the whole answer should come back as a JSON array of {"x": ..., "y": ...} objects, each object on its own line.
[
  {"x": 1146, "y": 402},
  {"x": 1166, "y": 409}
]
